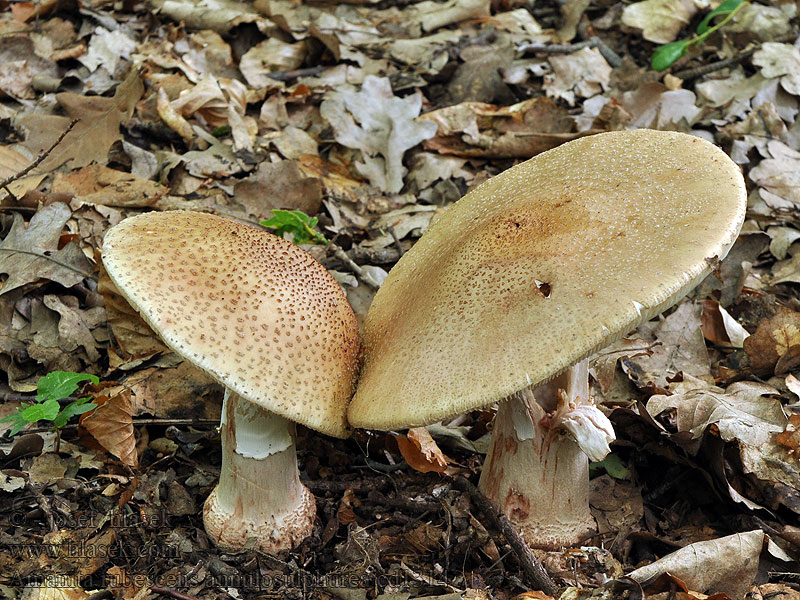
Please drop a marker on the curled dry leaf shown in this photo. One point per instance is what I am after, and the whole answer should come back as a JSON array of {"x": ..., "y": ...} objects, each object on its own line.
[
  {"x": 726, "y": 565},
  {"x": 97, "y": 184},
  {"x": 519, "y": 131},
  {"x": 111, "y": 425},
  {"x": 421, "y": 452},
  {"x": 659, "y": 20},
  {"x": 775, "y": 342},
  {"x": 29, "y": 253},
  {"x": 742, "y": 411}
]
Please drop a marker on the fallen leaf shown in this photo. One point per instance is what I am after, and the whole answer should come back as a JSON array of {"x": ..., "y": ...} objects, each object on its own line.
[
  {"x": 521, "y": 130},
  {"x": 681, "y": 348},
  {"x": 134, "y": 336},
  {"x": 98, "y": 126},
  {"x": 379, "y": 124},
  {"x": 581, "y": 74},
  {"x": 421, "y": 452},
  {"x": 726, "y": 565},
  {"x": 30, "y": 253},
  {"x": 740, "y": 412},
  {"x": 780, "y": 175},
  {"x": 780, "y": 60},
  {"x": 719, "y": 327},
  {"x": 182, "y": 391},
  {"x": 111, "y": 425},
  {"x": 263, "y": 59},
  {"x": 75, "y": 325},
  {"x": 218, "y": 15},
  {"x": 776, "y": 339},
  {"x": 659, "y": 20},
  {"x": 279, "y": 185},
  {"x": 107, "y": 48},
  {"x": 790, "y": 437},
  {"x": 97, "y": 184}
]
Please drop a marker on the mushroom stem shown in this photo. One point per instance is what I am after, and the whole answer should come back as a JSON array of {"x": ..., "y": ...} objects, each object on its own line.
[
  {"x": 536, "y": 472},
  {"x": 259, "y": 494}
]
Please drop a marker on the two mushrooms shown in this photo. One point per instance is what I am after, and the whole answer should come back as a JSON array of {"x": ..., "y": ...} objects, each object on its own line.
[{"x": 501, "y": 301}]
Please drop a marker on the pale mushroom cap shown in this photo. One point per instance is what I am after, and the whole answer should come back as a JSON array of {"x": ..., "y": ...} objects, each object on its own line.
[
  {"x": 256, "y": 312},
  {"x": 540, "y": 266}
]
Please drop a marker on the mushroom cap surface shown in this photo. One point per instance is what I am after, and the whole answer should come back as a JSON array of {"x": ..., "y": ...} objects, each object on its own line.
[
  {"x": 256, "y": 312},
  {"x": 540, "y": 266}
]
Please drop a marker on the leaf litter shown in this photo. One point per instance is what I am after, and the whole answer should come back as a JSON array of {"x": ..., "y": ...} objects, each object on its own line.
[{"x": 372, "y": 118}]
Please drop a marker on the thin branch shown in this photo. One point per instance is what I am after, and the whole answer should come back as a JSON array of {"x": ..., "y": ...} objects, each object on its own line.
[
  {"x": 42, "y": 502},
  {"x": 360, "y": 273},
  {"x": 172, "y": 593},
  {"x": 296, "y": 73},
  {"x": 42, "y": 155},
  {"x": 533, "y": 569},
  {"x": 80, "y": 272},
  {"x": 611, "y": 57},
  {"x": 688, "y": 74}
]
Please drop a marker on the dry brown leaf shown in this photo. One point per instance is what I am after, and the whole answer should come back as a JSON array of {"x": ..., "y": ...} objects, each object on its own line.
[
  {"x": 183, "y": 391},
  {"x": 98, "y": 126},
  {"x": 134, "y": 336},
  {"x": 97, "y": 184},
  {"x": 681, "y": 348},
  {"x": 279, "y": 185},
  {"x": 741, "y": 412},
  {"x": 777, "y": 339},
  {"x": 790, "y": 437},
  {"x": 659, "y": 20},
  {"x": 421, "y": 452},
  {"x": 111, "y": 425},
  {"x": 518, "y": 131},
  {"x": 29, "y": 253},
  {"x": 726, "y": 565}
]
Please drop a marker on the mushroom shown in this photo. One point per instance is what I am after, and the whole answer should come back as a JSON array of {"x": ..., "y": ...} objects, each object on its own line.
[
  {"x": 516, "y": 284},
  {"x": 268, "y": 322}
]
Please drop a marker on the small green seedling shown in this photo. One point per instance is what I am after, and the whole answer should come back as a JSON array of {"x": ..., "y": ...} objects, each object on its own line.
[
  {"x": 297, "y": 223},
  {"x": 666, "y": 55},
  {"x": 50, "y": 389},
  {"x": 611, "y": 464}
]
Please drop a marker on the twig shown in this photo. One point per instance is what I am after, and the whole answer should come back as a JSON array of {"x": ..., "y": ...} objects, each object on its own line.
[
  {"x": 531, "y": 566},
  {"x": 396, "y": 240},
  {"x": 688, "y": 74},
  {"x": 165, "y": 591},
  {"x": 42, "y": 155},
  {"x": 80, "y": 272},
  {"x": 295, "y": 74},
  {"x": 360, "y": 273},
  {"x": 42, "y": 502},
  {"x": 611, "y": 57}
]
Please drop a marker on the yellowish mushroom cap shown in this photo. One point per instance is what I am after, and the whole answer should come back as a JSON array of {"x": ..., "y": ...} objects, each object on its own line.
[
  {"x": 256, "y": 312},
  {"x": 540, "y": 266}
]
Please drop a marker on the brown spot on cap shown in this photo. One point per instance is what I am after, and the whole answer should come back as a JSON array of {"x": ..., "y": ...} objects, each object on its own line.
[{"x": 619, "y": 226}]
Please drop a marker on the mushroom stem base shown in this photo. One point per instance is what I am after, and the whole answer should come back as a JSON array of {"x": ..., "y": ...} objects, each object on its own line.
[
  {"x": 535, "y": 473},
  {"x": 259, "y": 502}
]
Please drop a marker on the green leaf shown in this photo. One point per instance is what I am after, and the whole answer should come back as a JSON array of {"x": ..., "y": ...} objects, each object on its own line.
[
  {"x": 723, "y": 9},
  {"x": 666, "y": 55},
  {"x": 61, "y": 384},
  {"x": 43, "y": 410},
  {"x": 611, "y": 464},
  {"x": 296, "y": 222},
  {"x": 73, "y": 409},
  {"x": 18, "y": 421}
]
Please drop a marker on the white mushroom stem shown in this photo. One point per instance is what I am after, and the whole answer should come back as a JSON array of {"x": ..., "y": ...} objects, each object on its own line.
[
  {"x": 259, "y": 494},
  {"x": 537, "y": 470}
]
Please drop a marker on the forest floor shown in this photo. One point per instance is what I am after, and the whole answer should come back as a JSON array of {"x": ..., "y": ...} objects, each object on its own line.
[{"x": 112, "y": 108}]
